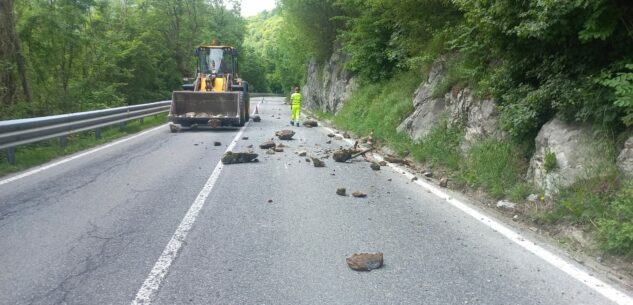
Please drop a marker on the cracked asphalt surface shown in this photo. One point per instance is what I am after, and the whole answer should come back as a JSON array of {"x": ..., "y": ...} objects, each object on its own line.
[{"x": 89, "y": 231}]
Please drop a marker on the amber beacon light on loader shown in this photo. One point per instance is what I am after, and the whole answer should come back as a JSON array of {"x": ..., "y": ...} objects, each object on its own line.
[{"x": 217, "y": 97}]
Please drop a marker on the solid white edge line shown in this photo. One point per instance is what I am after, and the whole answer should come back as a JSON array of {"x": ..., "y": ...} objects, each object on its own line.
[
  {"x": 94, "y": 150},
  {"x": 578, "y": 274},
  {"x": 152, "y": 283}
]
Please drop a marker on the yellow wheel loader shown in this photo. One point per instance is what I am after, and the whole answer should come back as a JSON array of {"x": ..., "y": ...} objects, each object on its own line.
[{"x": 217, "y": 97}]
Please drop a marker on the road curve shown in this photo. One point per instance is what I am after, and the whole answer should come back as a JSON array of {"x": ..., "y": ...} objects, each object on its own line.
[{"x": 90, "y": 231}]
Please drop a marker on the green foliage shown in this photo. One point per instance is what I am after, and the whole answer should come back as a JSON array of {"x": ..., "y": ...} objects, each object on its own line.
[
  {"x": 440, "y": 147},
  {"x": 549, "y": 161},
  {"x": 279, "y": 53},
  {"x": 520, "y": 191},
  {"x": 91, "y": 54},
  {"x": 615, "y": 228},
  {"x": 383, "y": 37},
  {"x": 622, "y": 84},
  {"x": 312, "y": 21},
  {"x": 547, "y": 57},
  {"x": 496, "y": 166}
]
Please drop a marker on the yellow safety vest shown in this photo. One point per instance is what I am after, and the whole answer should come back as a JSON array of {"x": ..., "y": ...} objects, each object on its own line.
[{"x": 296, "y": 98}]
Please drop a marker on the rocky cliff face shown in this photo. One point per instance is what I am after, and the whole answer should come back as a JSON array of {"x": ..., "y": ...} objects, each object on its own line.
[
  {"x": 564, "y": 153},
  {"x": 477, "y": 116},
  {"x": 570, "y": 145},
  {"x": 625, "y": 158},
  {"x": 328, "y": 86}
]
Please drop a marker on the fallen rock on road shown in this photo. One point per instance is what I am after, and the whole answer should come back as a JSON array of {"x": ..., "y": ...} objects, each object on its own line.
[
  {"x": 317, "y": 162},
  {"x": 342, "y": 155},
  {"x": 359, "y": 194},
  {"x": 365, "y": 261},
  {"x": 444, "y": 182},
  {"x": 310, "y": 123},
  {"x": 268, "y": 144},
  {"x": 239, "y": 157},
  {"x": 285, "y": 134},
  {"x": 341, "y": 191},
  {"x": 174, "y": 128}
]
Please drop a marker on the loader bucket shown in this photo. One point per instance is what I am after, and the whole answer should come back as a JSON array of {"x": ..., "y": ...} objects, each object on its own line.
[{"x": 188, "y": 108}]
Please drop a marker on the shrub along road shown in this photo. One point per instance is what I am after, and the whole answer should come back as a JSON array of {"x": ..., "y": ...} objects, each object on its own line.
[{"x": 100, "y": 230}]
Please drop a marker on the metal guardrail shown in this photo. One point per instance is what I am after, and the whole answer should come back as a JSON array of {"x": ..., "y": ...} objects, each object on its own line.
[{"x": 14, "y": 133}]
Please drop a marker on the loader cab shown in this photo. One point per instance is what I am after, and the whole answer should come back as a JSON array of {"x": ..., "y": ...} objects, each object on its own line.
[{"x": 216, "y": 60}]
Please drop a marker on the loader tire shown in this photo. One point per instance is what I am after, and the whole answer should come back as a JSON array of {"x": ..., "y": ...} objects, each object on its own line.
[
  {"x": 243, "y": 115},
  {"x": 247, "y": 101}
]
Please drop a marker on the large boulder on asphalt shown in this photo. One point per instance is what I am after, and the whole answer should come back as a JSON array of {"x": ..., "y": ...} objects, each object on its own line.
[
  {"x": 365, "y": 261},
  {"x": 238, "y": 157},
  {"x": 285, "y": 134},
  {"x": 267, "y": 145},
  {"x": 625, "y": 158},
  {"x": 317, "y": 162},
  {"x": 342, "y": 155},
  {"x": 564, "y": 154}
]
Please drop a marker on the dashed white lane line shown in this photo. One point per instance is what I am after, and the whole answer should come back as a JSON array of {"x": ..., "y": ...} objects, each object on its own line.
[
  {"x": 148, "y": 291},
  {"x": 580, "y": 275},
  {"x": 66, "y": 160}
]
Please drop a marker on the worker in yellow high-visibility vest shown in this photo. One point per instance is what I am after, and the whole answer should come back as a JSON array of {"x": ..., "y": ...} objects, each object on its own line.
[{"x": 295, "y": 106}]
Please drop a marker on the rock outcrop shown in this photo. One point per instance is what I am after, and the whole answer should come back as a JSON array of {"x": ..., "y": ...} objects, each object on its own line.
[
  {"x": 625, "y": 158},
  {"x": 459, "y": 106},
  {"x": 564, "y": 153},
  {"x": 482, "y": 123},
  {"x": 329, "y": 85}
]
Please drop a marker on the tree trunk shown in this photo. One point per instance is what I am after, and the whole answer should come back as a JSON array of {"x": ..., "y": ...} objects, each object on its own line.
[{"x": 11, "y": 54}]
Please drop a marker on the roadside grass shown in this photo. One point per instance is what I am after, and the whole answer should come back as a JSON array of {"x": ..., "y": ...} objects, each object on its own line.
[
  {"x": 615, "y": 227},
  {"x": 322, "y": 115},
  {"x": 380, "y": 107},
  {"x": 496, "y": 166},
  {"x": 440, "y": 147},
  {"x": 27, "y": 156}
]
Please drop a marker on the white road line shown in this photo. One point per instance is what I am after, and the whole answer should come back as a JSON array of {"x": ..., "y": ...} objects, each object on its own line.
[
  {"x": 150, "y": 287},
  {"x": 45, "y": 167},
  {"x": 580, "y": 275}
]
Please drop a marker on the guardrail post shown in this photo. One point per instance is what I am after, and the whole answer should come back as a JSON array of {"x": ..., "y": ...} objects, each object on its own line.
[
  {"x": 98, "y": 133},
  {"x": 11, "y": 155},
  {"x": 141, "y": 120},
  {"x": 121, "y": 125},
  {"x": 63, "y": 141}
]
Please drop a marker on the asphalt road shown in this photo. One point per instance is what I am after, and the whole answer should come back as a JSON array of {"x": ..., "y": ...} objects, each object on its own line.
[{"x": 91, "y": 230}]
